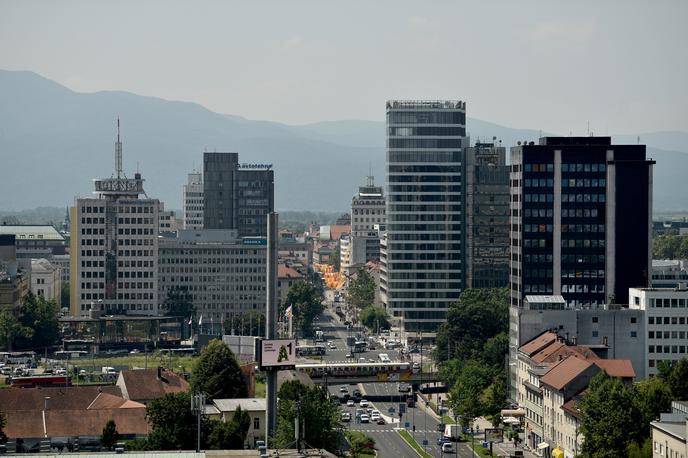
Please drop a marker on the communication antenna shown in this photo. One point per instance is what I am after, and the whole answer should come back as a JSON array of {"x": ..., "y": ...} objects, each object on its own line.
[
  {"x": 118, "y": 154},
  {"x": 588, "y": 128}
]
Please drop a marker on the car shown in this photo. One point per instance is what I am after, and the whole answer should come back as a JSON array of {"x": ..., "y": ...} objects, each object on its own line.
[
  {"x": 359, "y": 412},
  {"x": 361, "y": 360},
  {"x": 442, "y": 440},
  {"x": 414, "y": 350},
  {"x": 381, "y": 421},
  {"x": 346, "y": 416},
  {"x": 365, "y": 418},
  {"x": 343, "y": 389},
  {"x": 350, "y": 403},
  {"x": 447, "y": 447},
  {"x": 60, "y": 372},
  {"x": 404, "y": 387},
  {"x": 135, "y": 351},
  {"x": 416, "y": 365},
  {"x": 363, "y": 403},
  {"x": 349, "y": 355}
]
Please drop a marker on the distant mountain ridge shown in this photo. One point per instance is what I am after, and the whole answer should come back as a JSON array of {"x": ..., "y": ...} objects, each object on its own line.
[{"x": 54, "y": 141}]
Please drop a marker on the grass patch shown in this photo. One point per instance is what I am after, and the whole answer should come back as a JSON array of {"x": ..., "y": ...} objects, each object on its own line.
[
  {"x": 176, "y": 363},
  {"x": 477, "y": 447},
  {"x": 260, "y": 389},
  {"x": 412, "y": 442},
  {"x": 447, "y": 420},
  {"x": 361, "y": 445}
]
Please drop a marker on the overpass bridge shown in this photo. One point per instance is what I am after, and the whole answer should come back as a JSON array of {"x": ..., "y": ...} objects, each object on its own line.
[{"x": 366, "y": 373}]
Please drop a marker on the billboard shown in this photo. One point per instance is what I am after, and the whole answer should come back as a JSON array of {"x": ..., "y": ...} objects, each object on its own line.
[{"x": 277, "y": 354}]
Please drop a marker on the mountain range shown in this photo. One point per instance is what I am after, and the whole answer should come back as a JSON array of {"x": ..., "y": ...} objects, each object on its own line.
[{"x": 54, "y": 141}]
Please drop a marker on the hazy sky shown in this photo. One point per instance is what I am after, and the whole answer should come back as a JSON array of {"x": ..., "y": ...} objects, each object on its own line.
[{"x": 550, "y": 65}]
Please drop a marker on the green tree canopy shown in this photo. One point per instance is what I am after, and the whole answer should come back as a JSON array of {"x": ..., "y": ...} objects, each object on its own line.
[
  {"x": 480, "y": 314},
  {"x": 653, "y": 397},
  {"x": 469, "y": 390},
  {"x": 173, "y": 423},
  {"x": 361, "y": 289},
  {"x": 230, "y": 435},
  {"x": 110, "y": 435},
  {"x": 306, "y": 304},
  {"x": 373, "y": 317},
  {"x": 11, "y": 329},
  {"x": 678, "y": 379},
  {"x": 217, "y": 373},
  {"x": 321, "y": 417},
  {"x": 41, "y": 316},
  {"x": 670, "y": 246},
  {"x": 3, "y": 424},
  {"x": 610, "y": 417}
]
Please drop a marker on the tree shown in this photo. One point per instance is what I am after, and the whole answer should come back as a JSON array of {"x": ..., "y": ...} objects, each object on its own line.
[
  {"x": 42, "y": 317},
  {"x": 179, "y": 302},
  {"x": 678, "y": 379},
  {"x": 230, "y": 435},
  {"x": 653, "y": 397},
  {"x": 217, "y": 373},
  {"x": 640, "y": 451},
  {"x": 11, "y": 329},
  {"x": 251, "y": 323},
  {"x": 319, "y": 416},
  {"x": 110, "y": 435},
  {"x": 65, "y": 297},
  {"x": 334, "y": 259},
  {"x": 306, "y": 305},
  {"x": 479, "y": 315},
  {"x": 493, "y": 398},
  {"x": 361, "y": 289},
  {"x": 609, "y": 417},
  {"x": 374, "y": 318},
  {"x": 173, "y": 423},
  {"x": 465, "y": 396},
  {"x": 3, "y": 423}
]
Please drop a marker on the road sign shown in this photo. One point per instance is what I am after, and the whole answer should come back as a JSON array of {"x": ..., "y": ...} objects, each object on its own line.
[
  {"x": 425, "y": 442},
  {"x": 402, "y": 408},
  {"x": 407, "y": 424},
  {"x": 277, "y": 354},
  {"x": 391, "y": 410}
]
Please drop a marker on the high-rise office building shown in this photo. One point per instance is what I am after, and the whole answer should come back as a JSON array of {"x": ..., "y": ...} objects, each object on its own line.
[
  {"x": 422, "y": 252},
  {"x": 192, "y": 197},
  {"x": 581, "y": 220},
  {"x": 367, "y": 216},
  {"x": 236, "y": 196},
  {"x": 487, "y": 216},
  {"x": 581, "y": 216},
  {"x": 114, "y": 247}
]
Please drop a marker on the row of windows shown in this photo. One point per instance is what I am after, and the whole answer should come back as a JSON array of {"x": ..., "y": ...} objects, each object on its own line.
[
  {"x": 454, "y": 169},
  {"x": 583, "y": 243},
  {"x": 135, "y": 253},
  {"x": 583, "y": 167},
  {"x": 584, "y": 288},
  {"x": 667, "y": 303},
  {"x": 587, "y": 273},
  {"x": 135, "y": 231},
  {"x": 139, "y": 296},
  {"x": 538, "y": 183},
  {"x": 379, "y": 211},
  {"x": 425, "y": 156},
  {"x": 538, "y": 167},
  {"x": 582, "y": 228},
  {"x": 582, "y": 259},
  {"x": 667, "y": 320},
  {"x": 422, "y": 143},
  {"x": 584, "y": 198},
  {"x": 90, "y": 220},
  {"x": 92, "y": 231},
  {"x": 134, "y": 220},
  {"x": 666, "y": 334},
  {"x": 134, "y": 242},
  {"x": 542, "y": 198},
  {"x": 579, "y": 212},
  {"x": 584, "y": 183},
  {"x": 537, "y": 213},
  {"x": 137, "y": 285},
  {"x": 426, "y": 117},
  {"x": 425, "y": 130}
]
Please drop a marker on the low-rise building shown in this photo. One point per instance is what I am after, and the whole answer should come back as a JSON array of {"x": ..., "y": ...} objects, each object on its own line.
[
  {"x": 145, "y": 385},
  {"x": 255, "y": 407},
  {"x": 286, "y": 278},
  {"x": 46, "y": 280},
  {"x": 669, "y": 273},
  {"x": 670, "y": 433}
]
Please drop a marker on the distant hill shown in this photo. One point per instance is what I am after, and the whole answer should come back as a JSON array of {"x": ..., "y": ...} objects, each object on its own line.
[{"x": 54, "y": 141}]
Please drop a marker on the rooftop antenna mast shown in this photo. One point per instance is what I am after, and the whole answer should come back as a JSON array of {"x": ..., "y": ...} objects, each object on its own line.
[
  {"x": 371, "y": 178},
  {"x": 118, "y": 154}
]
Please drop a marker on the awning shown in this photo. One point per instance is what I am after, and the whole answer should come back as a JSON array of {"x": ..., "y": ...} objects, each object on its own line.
[
  {"x": 557, "y": 453},
  {"x": 513, "y": 413},
  {"x": 542, "y": 445}
]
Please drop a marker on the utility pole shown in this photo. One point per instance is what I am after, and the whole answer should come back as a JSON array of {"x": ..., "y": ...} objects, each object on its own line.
[
  {"x": 197, "y": 407},
  {"x": 271, "y": 322}
]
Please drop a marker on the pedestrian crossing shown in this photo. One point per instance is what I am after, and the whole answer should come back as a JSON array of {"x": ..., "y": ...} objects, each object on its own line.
[{"x": 418, "y": 431}]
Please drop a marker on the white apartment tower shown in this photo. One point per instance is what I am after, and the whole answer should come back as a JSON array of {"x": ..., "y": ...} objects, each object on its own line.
[
  {"x": 114, "y": 247},
  {"x": 193, "y": 201}
]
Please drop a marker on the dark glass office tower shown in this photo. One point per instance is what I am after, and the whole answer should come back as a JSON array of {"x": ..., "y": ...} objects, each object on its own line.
[
  {"x": 422, "y": 270},
  {"x": 236, "y": 196},
  {"x": 581, "y": 220},
  {"x": 487, "y": 216}
]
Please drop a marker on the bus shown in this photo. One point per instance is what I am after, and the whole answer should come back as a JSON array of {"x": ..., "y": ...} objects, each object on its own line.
[
  {"x": 361, "y": 369},
  {"x": 41, "y": 380},
  {"x": 359, "y": 346},
  {"x": 384, "y": 358},
  {"x": 18, "y": 357},
  {"x": 181, "y": 351},
  {"x": 310, "y": 350}
]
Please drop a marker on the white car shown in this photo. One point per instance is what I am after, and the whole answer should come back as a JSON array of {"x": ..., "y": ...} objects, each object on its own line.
[
  {"x": 346, "y": 416},
  {"x": 364, "y": 403},
  {"x": 365, "y": 418},
  {"x": 447, "y": 447},
  {"x": 350, "y": 403}
]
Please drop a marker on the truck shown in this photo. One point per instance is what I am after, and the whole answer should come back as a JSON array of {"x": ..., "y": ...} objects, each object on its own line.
[
  {"x": 452, "y": 432},
  {"x": 108, "y": 370}
]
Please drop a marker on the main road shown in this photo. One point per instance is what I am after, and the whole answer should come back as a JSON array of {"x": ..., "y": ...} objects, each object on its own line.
[{"x": 388, "y": 441}]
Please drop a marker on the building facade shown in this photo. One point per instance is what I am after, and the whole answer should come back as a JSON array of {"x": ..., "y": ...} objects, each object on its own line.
[
  {"x": 224, "y": 274},
  {"x": 367, "y": 216},
  {"x": 236, "y": 196},
  {"x": 46, "y": 280},
  {"x": 487, "y": 215},
  {"x": 422, "y": 254},
  {"x": 114, "y": 247},
  {"x": 192, "y": 198}
]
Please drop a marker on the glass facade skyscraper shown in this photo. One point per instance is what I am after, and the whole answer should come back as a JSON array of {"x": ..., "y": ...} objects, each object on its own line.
[{"x": 422, "y": 250}]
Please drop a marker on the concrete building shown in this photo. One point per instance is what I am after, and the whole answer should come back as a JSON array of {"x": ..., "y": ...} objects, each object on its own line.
[
  {"x": 665, "y": 319},
  {"x": 46, "y": 280},
  {"x": 63, "y": 262},
  {"x": 668, "y": 273},
  {"x": 367, "y": 215},
  {"x": 236, "y": 196},
  {"x": 256, "y": 408},
  {"x": 670, "y": 433},
  {"x": 224, "y": 274},
  {"x": 192, "y": 198},
  {"x": 114, "y": 247},
  {"x": 487, "y": 215},
  {"x": 168, "y": 220},
  {"x": 35, "y": 242},
  {"x": 14, "y": 283},
  {"x": 286, "y": 277},
  {"x": 422, "y": 253}
]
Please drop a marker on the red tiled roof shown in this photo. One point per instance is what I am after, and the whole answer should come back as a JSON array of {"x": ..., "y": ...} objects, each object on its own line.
[
  {"x": 144, "y": 385},
  {"x": 621, "y": 368},
  {"x": 287, "y": 272},
  {"x": 75, "y": 397},
  {"x": 108, "y": 401},
  {"x": 566, "y": 370},
  {"x": 558, "y": 350},
  {"x": 538, "y": 343},
  {"x": 571, "y": 407}
]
